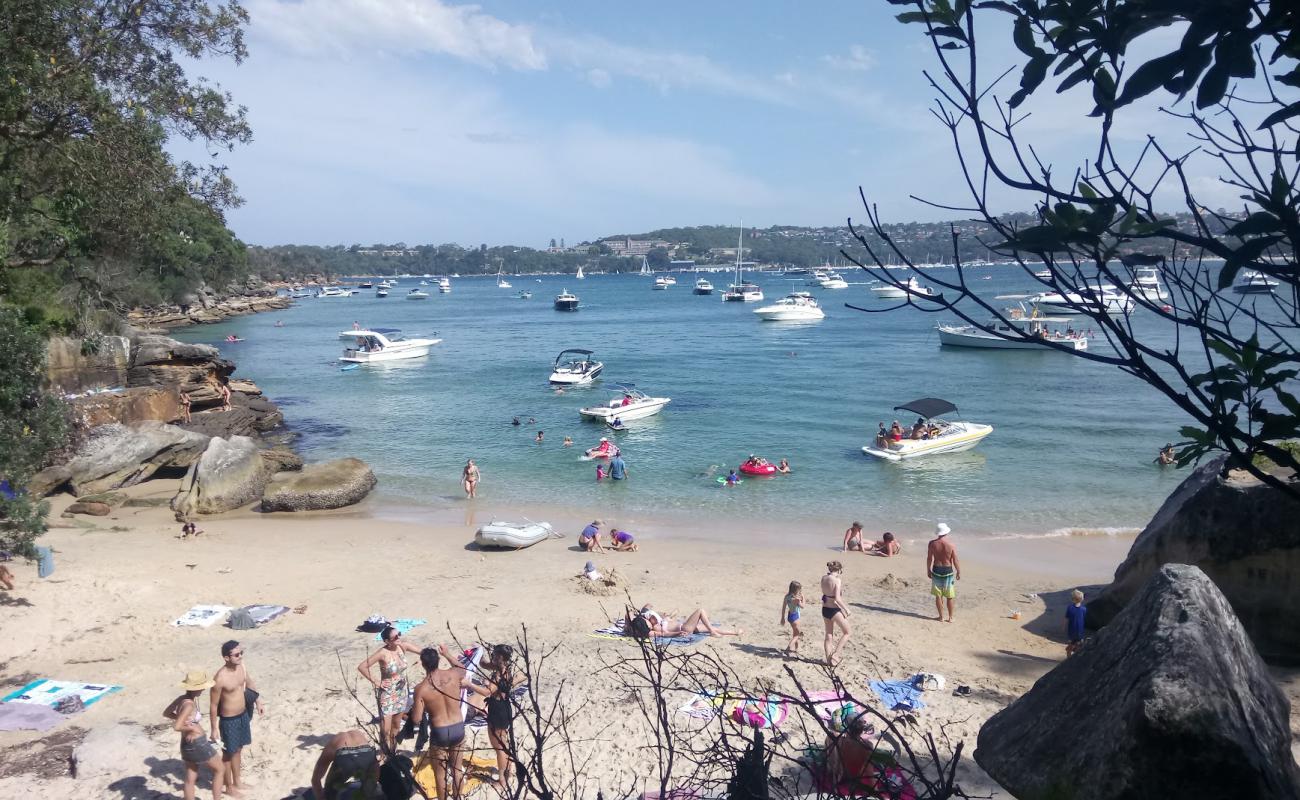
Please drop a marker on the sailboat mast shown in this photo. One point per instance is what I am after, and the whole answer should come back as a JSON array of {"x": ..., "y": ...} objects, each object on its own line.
[{"x": 740, "y": 238}]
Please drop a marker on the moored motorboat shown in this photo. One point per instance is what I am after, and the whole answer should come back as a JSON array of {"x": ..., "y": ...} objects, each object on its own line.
[
  {"x": 1017, "y": 332},
  {"x": 333, "y": 291},
  {"x": 938, "y": 436},
  {"x": 670, "y": 280},
  {"x": 514, "y": 535},
  {"x": 833, "y": 280},
  {"x": 564, "y": 301},
  {"x": 582, "y": 368},
  {"x": 1101, "y": 298},
  {"x": 912, "y": 286},
  {"x": 1146, "y": 284},
  {"x": 525, "y": 295},
  {"x": 1252, "y": 281},
  {"x": 702, "y": 286},
  {"x": 743, "y": 293},
  {"x": 444, "y": 285},
  {"x": 632, "y": 403},
  {"x": 794, "y": 307},
  {"x": 384, "y": 344},
  {"x": 382, "y": 291},
  {"x": 660, "y": 284}
]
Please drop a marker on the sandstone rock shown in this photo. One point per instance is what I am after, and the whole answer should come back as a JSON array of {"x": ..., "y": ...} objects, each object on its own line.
[
  {"x": 114, "y": 456},
  {"x": 279, "y": 459},
  {"x": 110, "y": 499},
  {"x": 333, "y": 484},
  {"x": 248, "y": 416},
  {"x": 129, "y": 405},
  {"x": 90, "y": 508},
  {"x": 71, "y": 370},
  {"x": 229, "y": 474},
  {"x": 1169, "y": 700},
  {"x": 1244, "y": 535},
  {"x": 244, "y": 387}
]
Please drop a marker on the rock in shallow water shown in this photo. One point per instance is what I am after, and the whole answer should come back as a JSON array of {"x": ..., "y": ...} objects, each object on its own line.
[
  {"x": 1169, "y": 700},
  {"x": 332, "y": 484}
]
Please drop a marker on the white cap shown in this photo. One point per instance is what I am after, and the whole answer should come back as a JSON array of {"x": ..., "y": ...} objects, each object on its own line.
[{"x": 942, "y": 529}]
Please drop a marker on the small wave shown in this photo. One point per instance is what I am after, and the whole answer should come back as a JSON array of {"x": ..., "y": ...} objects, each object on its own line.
[{"x": 1057, "y": 533}]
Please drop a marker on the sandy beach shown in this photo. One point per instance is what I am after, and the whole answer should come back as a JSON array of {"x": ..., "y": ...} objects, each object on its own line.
[{"x": 105, "y": 614}]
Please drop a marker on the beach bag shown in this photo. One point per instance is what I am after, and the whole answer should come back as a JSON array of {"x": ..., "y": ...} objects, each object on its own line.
[
  {"x": 397, "y": 778},
  {"x": 70, "y": 705},
  {"x": 638, "y": 627},
  {"x": 928, "y": 682},
  {"x": 241, "y": 620}
]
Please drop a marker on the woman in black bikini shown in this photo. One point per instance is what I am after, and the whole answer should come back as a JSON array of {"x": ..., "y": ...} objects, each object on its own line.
[
  {"x": 500, "y": 714},
  {"x": 834, "y": 612}
]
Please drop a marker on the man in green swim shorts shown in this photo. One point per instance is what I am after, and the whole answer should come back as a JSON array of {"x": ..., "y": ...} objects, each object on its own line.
[{"x": 943, "y": 569}]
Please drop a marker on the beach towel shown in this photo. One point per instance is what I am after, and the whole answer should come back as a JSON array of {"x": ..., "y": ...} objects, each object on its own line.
[
  {"x": 255, "y": 616},
  {"x": 478, "y": 771},
  {"x": 898, "y": 695},
  {"x": 889, "y": 782},
  {"x": 615, "y": 631},
  {"x": 755, "y": 712},
  {"x": 28, "y": 717},
  {"x": 402, "y": 625},
  {"x": 45, "y": 567},
  {"x": 202, "y": 616},
  {"x": 48, "y": 692}
]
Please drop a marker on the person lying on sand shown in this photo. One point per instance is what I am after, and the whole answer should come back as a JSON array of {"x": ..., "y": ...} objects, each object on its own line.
[
  {"x": 696, "y": 622},
  {"x": 886, "y": 547}
]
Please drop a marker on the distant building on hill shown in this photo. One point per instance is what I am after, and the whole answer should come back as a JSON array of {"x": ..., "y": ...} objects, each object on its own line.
[{"x": 629, "y": 248}]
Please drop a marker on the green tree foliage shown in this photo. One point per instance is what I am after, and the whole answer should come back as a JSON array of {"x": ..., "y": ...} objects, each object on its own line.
[
  {"x": 1226, "y": 79},
  {"x": 32, "y": 425},
  {"x": 91, "y": 91}
]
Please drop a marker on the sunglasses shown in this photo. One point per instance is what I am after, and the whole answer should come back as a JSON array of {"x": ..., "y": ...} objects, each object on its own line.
[{"x": 237, "y": 654}]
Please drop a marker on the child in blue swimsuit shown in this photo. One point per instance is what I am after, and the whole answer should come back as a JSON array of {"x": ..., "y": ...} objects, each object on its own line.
[{"x": 790, "y": 613}]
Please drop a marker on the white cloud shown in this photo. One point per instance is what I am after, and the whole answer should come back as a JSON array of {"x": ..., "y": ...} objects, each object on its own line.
[
  {"x": 859, "y": 59},
  {"x": 314, "y": 27},
  {"x": 599, "y": 78}
]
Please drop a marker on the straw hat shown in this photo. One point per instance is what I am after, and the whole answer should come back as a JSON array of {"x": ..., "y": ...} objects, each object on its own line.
[{"x": 196, "y": 680}]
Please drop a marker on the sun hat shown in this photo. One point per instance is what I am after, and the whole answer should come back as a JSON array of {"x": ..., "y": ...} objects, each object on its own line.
[
  {"x": 603, "y": 439},
  {"x": 589, "y": 567},
  {"x": 196, "y": 680},
  {"x": 942, "y": 529}
]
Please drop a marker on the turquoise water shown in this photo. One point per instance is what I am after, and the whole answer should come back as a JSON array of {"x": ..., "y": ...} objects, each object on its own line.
[{"x": 1071, "y": 449}]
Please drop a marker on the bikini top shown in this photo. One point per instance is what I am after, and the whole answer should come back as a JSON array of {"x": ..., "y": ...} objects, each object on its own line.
[{"x": 393, "y": 667}]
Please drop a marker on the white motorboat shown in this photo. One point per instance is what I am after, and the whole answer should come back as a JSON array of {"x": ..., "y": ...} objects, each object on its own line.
[
  {"x": 565, "y": 301},
  {"x": 1254, "y": 282},
  {"x": 796, "y": 306},
  {"x": 1146, "y": 284},
  {"x": 333, "y": 291},
  {"x": 579, "y": 369},
  {"x": 632, "y": 403},
  {"x": 366, "y": 285},
  {"x": 702, "y": 286},
  {"x": 384, "y": 344},
  {"x": 670, "y": 280},
  {"x": 660, "y": 284},
  {"x": 817, "y": 276},
  {"x": 444, "y": 285},
  {"x": 888, "y": 291},
  {"x": 833, "y": 280},
  {"x": 1027, "y": 332},
  {"x": 940, "y": 435},
  {"x": 514, "y": 535},
  {"x": 525, "y": 295},
  {"x": 382, "y": 291},
  {"x": 1045, "y": 274},
  {"x": 1105, "y": 299},
  {"x": 417, "y": 294},
  {"x": 742, "y": 291}
]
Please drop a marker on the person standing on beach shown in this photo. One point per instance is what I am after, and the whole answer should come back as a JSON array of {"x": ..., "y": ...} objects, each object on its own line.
[
  {"x": 196, "y": 748},
  {"x": 500, "y": 712},
  {"x": 1075, "y": 614},
  {"x": 469, "y": 479},
  {"x": 943, "y": 569},
  {"x": 228, "y": 710},
  {"x": 834, "y": 612},
  {"x": 439, "y": 695},
  {"x": 391, "y": 690},
  {"x": 790, "y": 607}
]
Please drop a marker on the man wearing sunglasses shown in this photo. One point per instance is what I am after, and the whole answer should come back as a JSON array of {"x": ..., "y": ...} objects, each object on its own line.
[{"x": 232, "y": 690}]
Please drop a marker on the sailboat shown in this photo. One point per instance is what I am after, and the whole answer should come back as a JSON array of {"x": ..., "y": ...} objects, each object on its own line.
[
  {"x": 645, "y": 266},
  {"x": 502, "y": 283},
  {"x": 740, "y": 291},
  {"x": 579, "y": 276}
]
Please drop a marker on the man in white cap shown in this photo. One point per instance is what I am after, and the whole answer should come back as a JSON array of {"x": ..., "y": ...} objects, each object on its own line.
[{"x": 943, "y": 569}]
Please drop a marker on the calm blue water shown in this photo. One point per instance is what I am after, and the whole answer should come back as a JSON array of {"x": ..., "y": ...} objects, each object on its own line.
[{"x": 1072, "y": 445}]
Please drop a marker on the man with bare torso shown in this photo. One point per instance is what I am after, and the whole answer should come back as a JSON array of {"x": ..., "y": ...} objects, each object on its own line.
[
  {"x": 439, "y": 695},
  {"x": 943, "y": 569},
  {"x": 229, "y": 712}
]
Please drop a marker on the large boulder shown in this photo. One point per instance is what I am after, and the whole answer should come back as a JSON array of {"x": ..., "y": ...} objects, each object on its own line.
[
  {"x": 1169, "y": 700},
  {"x": 1242, "y": 533},
  {"x": 114, "y": 456},
  {"x": 197, "y": 369},
  {"x": 128, "y": 405},
  {"x": 332, "y": 484},
  {"x": 73, "y": 367},
  {"x": 230, "y": 473}
]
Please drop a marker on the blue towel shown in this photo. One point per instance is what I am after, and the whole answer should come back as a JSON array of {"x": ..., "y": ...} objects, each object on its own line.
[
  {"x": 46, "y": 566},
  {"x": 402, "y": 625},
  {"x": 898, "y": 695}
]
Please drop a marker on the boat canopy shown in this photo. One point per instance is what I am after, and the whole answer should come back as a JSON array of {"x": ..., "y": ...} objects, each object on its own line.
[
  {"x": 927, "y": 407},
  {"x": 576, "y": 350}
]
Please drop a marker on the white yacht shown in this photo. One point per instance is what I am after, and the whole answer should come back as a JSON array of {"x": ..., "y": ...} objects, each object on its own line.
[
  {"x": 702, "y": 286},
  {"x": 833, "y": 280},
  {"x": 888, "y": 291},
  {"x": 1146, "y": 283},
  {"x": 383, "y": 344},
  {"x": 444, "y": 285},
  {"x": 630, "y": 404},
  {"x": 939, "y": 435},
  {"x": 817, "y": 276},
  {"x": 796, "y": 306},
  {"x": 564, "y": 301},
  {"x": 579, "y": 369},
  {"x": 417, "y": 294},
  {"x": 660, "y": 284},
  {"x": 670, "y": 280},
  {"x": 1107, "y": 300},
  {"x": 333, "y": 291},
  {"x": 1254, "y": 282},
  {"x": 1027, "y": 332}
]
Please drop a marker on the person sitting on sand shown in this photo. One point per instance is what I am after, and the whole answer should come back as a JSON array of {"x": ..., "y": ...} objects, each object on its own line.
[
  {"x": 853, "y": 537},
  {"x": 589, "y": 539},
  {"x": 887, "y": 546},
  {"x": 623, "y": 541},
  {"x": 696, "y": 622},
  {"x": 391, "y": 690},
  {"x": 783, "y": 467},
  {"x": 190, "y": 529},
  {"x": 347, "y": 767},
  {"x": 848, "y": 756},
  {"x": 439, "y": 695},
  {"x": 196, "y": 748}
]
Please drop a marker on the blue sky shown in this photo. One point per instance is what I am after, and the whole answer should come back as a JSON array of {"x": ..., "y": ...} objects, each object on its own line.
[{"x": 506, "y": 122}]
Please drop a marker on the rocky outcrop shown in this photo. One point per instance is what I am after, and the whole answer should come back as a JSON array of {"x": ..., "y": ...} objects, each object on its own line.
[
  {"x": 279, "y": 459},
  {"x": 248, "y": 416},
  {"x": 333, "y": 484},
  {"x": 1169, "y": 700},
  {"x": 1244, "y": 535},
  {"x": 159, "y": 403},
  {"x": 75, "y": 365},
  {"x": 231, "y": 473},
  {"x": 90, "y": 508},
  {"x": 206, "y": 306},
  {"x": 196, "y": 369},
  {"x": 114, "y": 456}
]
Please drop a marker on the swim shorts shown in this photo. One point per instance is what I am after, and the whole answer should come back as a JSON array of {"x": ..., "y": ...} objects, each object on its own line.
[
  {"x": 943, "y": 581},
  {"x": 236, "y": 732}
]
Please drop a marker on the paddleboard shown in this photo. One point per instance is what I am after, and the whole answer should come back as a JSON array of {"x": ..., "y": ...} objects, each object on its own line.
[{"x": 347, "y": 367}]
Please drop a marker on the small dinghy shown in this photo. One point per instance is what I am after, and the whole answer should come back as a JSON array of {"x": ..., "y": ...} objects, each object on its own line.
[{"x": 514, "y": 535}]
